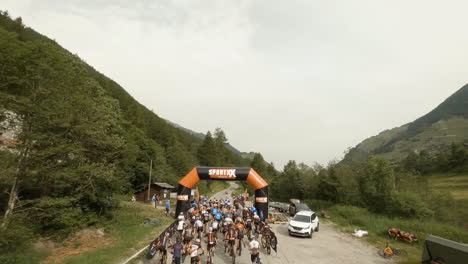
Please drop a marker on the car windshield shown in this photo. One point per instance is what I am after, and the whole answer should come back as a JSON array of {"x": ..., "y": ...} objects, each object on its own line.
[
  {"x": 302, "y": 207},
  {"x": 302, "y": 218}
]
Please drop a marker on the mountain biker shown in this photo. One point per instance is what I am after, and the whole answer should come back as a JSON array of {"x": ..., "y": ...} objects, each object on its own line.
[
  {"x": 248, "y": 224},
  {"x": 212, "y": 240},
  {"x": 199, "y": 226},
  {"x": 254, "y": 247},
  {"x": 256, "y": 222},
  {"x": 181, "y": 225},
  {"x": 266, "y": 235},
  {"x": 163, "y": 244},
  {"x": 188, "y": 236},
  {"x": 240, "y": 233},
  {"x": 218, "y": 216},
  {"x": 177, "y": 250},
  {"x": 214, "y": 226},
  {"x": 214, "y": 211},
  {"x": 230, "y": 236},
  {"x": 194, "y": 256}
]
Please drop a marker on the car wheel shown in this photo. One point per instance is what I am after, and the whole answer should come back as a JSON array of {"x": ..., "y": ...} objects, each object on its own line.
[{"x": 317, "y": 228}]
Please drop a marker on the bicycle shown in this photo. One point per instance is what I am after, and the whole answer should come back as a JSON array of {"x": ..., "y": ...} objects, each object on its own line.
[
  {"x": 163, "y": 259},
  {"x": 268, "y": 245},
  {"x": 232, "y": 253},
  {"x": 196, "y": 260},
  {"x": 239, "y": 247},
  {"x": 389, "y": 252},
  {"x": 210, "y": 255}
]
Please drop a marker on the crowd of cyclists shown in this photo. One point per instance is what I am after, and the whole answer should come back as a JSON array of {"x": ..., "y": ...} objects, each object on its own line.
[{"x": 215, "y": 222}]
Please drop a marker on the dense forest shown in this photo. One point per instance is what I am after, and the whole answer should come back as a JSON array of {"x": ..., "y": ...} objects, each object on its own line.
[
  {"x": 77, "y": 139},
  {"x": 393, "y": 189}
]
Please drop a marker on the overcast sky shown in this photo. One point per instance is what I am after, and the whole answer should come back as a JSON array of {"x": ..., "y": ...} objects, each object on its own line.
[{"x": 300, "y": 80}]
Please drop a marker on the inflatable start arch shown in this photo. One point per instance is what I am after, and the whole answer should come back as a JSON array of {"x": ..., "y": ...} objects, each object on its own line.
[{"x": 222, "y": 174}]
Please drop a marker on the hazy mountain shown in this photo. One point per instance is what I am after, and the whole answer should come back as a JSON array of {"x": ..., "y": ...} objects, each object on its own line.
[{"x": 446, "y": 124}]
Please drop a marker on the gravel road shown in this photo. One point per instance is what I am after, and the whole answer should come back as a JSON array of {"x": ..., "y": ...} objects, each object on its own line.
[{"x": 327, "y": 246}]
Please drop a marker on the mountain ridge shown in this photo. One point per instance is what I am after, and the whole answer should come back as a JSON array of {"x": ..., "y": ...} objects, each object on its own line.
[{"x": 447, "y": 123}]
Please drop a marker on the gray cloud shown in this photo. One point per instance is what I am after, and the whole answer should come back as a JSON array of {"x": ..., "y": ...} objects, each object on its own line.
[{"x": 296, "y": 79}]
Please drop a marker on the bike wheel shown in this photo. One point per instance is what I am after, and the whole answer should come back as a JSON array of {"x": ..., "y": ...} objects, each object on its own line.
[
  {"x": 400, "y": 252},
  {"x": 269, "y": 250}
]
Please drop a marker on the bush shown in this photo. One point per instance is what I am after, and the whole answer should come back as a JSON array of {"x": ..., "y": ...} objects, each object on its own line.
[
  {"x": 318, "y": 205},
  {"x": 60, "y": 214},
  {"x": 408, "y": 204},
  {"x": 15, "y": 241}
]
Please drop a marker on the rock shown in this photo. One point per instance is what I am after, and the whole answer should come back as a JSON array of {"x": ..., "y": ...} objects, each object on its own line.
[
  {"x": 44, "y": 244},
  {"x": 152, "y": 222},
  {"x": 100, "y": 232}
]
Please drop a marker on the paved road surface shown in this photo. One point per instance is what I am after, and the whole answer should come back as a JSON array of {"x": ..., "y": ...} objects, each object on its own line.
[{"x": 326, "y": 247}]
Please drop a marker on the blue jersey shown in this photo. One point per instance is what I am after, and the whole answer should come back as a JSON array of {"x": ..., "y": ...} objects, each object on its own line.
[
  {"x": 218, "y": 216},
  {"x": 215, "y": 211},
  {"x": 168, "y": 204}
]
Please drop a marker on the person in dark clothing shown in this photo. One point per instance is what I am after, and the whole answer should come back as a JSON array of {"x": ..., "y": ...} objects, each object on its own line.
[{"x": 177, "y": 250}]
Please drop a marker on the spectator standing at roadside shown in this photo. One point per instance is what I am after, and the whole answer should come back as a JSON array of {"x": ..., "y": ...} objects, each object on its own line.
[
  {"x": 154, "y": 200},
  {"x": 168, "y": 205}
]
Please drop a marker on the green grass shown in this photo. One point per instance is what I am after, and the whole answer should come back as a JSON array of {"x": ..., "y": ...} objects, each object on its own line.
[
  {"x": 241, "y": 188},
  {"x": 26, "y": 256},
  {"x": 127, "y": 232},
  {"x": 348, "y": 218},
  {"x": 453, "y": 183},
  {"x": 457, "y": 185}
]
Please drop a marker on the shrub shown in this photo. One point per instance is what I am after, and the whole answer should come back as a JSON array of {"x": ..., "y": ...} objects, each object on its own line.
[
  {"x": 408, "y": 204},
  {"x": 317, "y": 205}
]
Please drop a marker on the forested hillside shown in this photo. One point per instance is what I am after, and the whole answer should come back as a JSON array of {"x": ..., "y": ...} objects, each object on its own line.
[
  {"x": 435, "y": 131},
  {"x": 71, "y": 139}
]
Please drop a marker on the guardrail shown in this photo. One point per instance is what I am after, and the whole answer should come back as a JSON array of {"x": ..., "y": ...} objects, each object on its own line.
[{"x": 170, "y": 229}]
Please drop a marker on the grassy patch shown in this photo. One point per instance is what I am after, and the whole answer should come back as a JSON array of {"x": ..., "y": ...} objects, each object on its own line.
[
  {"x": 453, "y": 183},
  {"x": 127, "y": 232},
  {"x": 241, "y": 186},
  {"x": 349, "y": 218},
  {"x": 457, "y": 185}
]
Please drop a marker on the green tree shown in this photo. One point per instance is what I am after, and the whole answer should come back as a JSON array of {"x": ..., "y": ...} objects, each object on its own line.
[
  {"x": 259, "y": 164},
  {"x": 377, "y": 184},
  {"x": 207, "y": 151}
]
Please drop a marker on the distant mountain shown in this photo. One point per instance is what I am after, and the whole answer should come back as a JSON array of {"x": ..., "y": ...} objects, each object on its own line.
[
  {"x": 446, "y": 124},
  {"x": 201, "y": 136}
]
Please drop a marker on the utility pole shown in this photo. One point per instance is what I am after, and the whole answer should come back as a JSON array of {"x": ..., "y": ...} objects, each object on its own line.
[{"x": 149, "y": 181}]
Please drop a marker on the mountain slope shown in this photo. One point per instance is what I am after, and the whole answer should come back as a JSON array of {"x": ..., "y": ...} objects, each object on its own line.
[{"x": 446, "y": 124}]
